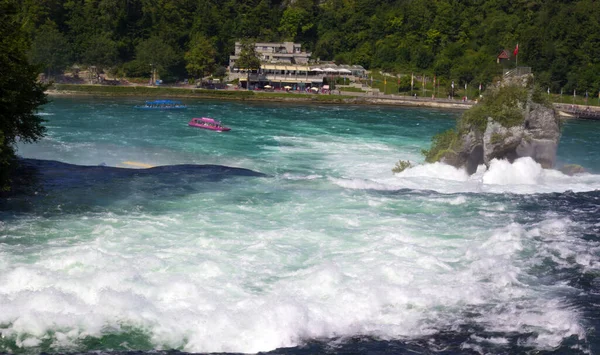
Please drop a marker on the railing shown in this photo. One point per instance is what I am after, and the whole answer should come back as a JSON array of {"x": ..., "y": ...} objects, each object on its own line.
[
  {"x": 517, "y": 72},
  {"x": 284, "y": 77},
  {"x": 579, "y": 111}
]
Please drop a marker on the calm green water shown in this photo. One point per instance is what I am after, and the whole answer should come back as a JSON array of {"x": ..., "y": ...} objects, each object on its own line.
[{"x": 322, "y": 242}]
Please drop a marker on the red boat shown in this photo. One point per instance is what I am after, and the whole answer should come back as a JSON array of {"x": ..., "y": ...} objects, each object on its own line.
[{"x": 208, "y": 123}]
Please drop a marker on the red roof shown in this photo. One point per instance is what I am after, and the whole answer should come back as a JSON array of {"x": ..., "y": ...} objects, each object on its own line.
[{"x": 503, "y": 55}]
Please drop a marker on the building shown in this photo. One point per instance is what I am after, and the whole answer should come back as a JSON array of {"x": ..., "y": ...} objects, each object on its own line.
[
  {"x": 286, "y": 65},
  {"x": 271, "y": 52},
  {"x": 503, "y": 56}
]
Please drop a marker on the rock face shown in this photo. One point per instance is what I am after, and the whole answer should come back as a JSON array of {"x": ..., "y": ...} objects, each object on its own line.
[
  {"x": 572, "y": 169},
  {"x": 536, "y": 135},
  {"x": 537, "y": 138}
]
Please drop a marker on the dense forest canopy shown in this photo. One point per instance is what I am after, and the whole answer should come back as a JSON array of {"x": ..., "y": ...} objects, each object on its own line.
[{"x": 453, "y": 39}]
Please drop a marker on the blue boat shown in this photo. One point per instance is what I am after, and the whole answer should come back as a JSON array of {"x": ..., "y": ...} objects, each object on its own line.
[{"x": 162, "y": 105}]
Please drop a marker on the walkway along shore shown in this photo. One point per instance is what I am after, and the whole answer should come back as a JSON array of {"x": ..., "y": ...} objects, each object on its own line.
[
  {"x": 344, "y": 97},
  {"x": 341, "y": 98}
]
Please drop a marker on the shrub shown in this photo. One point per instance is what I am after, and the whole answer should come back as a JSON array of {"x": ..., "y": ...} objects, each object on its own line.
[
  {"x": 401, "y": 165},
  {"x": 538, "y": 96},
  {"x": 504, "y": 105},
  {"x": 496, "y": 138},
  {"x": 441, "y": 143},
  {"x": 136, "y": 68}
]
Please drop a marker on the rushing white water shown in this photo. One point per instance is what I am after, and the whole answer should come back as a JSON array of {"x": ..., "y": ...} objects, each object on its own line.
[{"x": 330, "y": 244}]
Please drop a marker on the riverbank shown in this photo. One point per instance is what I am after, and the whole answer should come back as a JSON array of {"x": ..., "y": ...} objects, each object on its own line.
[{"x": 346, "y": 98}]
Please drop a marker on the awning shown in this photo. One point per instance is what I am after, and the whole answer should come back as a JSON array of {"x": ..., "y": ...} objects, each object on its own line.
[
  {"x": 330, "y": 70},
  {"x": 345, "y": 71},
  {"x": 316, "y": 69},
  {"x": 326, "y": 87}
]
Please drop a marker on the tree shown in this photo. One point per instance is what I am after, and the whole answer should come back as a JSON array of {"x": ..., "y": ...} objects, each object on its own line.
[
  {"x": 100, "y": 51},
  {"x": 201, "y": 56},
  {"x": 294, "y": 21},
  {"x": 20, "y": 92},
  {"x": 157, "y": 54},
  {"x": 50, "y": 49},
  {"x": 248, "y": 60},
  {"x": 405, "y": 83}
]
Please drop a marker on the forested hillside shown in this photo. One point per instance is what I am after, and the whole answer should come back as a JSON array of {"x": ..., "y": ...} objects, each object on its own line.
[{"x": 453, "y": 39}]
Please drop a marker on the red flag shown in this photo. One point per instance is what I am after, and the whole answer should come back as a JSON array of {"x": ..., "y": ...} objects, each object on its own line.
[{"x": 516, "y": 51}]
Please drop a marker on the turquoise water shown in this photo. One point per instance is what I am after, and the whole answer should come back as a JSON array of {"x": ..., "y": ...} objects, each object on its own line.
[{"x": 313, "y": 238}]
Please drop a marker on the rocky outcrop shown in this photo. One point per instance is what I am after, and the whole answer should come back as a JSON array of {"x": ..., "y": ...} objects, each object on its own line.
[
  {"x": 514, "y": 122},
  {"x": 537, "y": 138},
  {"x": 572, "y": 169}
]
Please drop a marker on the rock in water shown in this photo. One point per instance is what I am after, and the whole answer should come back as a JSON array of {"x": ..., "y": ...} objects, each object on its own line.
[
  {"x": 572, "y": 169},
  {"x": 513, "y": 120}
]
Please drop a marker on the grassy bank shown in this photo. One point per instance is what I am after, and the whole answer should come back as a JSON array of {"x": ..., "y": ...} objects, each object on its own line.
[{"x": 163, "y": 92}]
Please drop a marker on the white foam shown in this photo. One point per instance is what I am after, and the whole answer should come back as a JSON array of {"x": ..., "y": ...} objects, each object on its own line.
[
  {"x": 205, "y": 287},
  {"x": 437, "y": 171},
  {"x": 524, "y": 176}
]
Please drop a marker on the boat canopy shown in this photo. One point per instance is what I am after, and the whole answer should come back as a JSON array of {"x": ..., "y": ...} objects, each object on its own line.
[
  {"x": 206, "y": 119},
  {"x": 163, "y": 102}
]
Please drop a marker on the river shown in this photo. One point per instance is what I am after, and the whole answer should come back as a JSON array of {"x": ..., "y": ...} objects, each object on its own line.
[{"x": 290, "y": 234}]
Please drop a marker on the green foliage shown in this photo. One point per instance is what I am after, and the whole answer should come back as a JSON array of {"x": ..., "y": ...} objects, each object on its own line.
[
  {"x": 220, "y": 72},
  {"x": 295, "y": 20},
  {"x": 455, "y": 40},
  {"x": 441, "y": 143},
  {"x": 162, "y": 92},
  {"x": 405, "y": 83},
  {"x": 540, "y": 97},
  {"x": 156, "y": 54},
  {"x": 476, "y": 116},
  {"x": 137, "y": 69},
  {"x": 150, "y": 91},
  {"x": 505, "y": 105},
  {"x": 248, "y": 57},
  {"x": 351, "y": 89},
  {"x": 401, "y": 165},
  {"x": 20, "y": 92},
  {"x": 248, "y": 60},
  {"x": 7, "y": 156},
  {"x": 50, "y": 49},
  {"x": 496, "y": 138},
  {"x": 201, "y": 56},
  {"x": 100, "y": 51}
]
